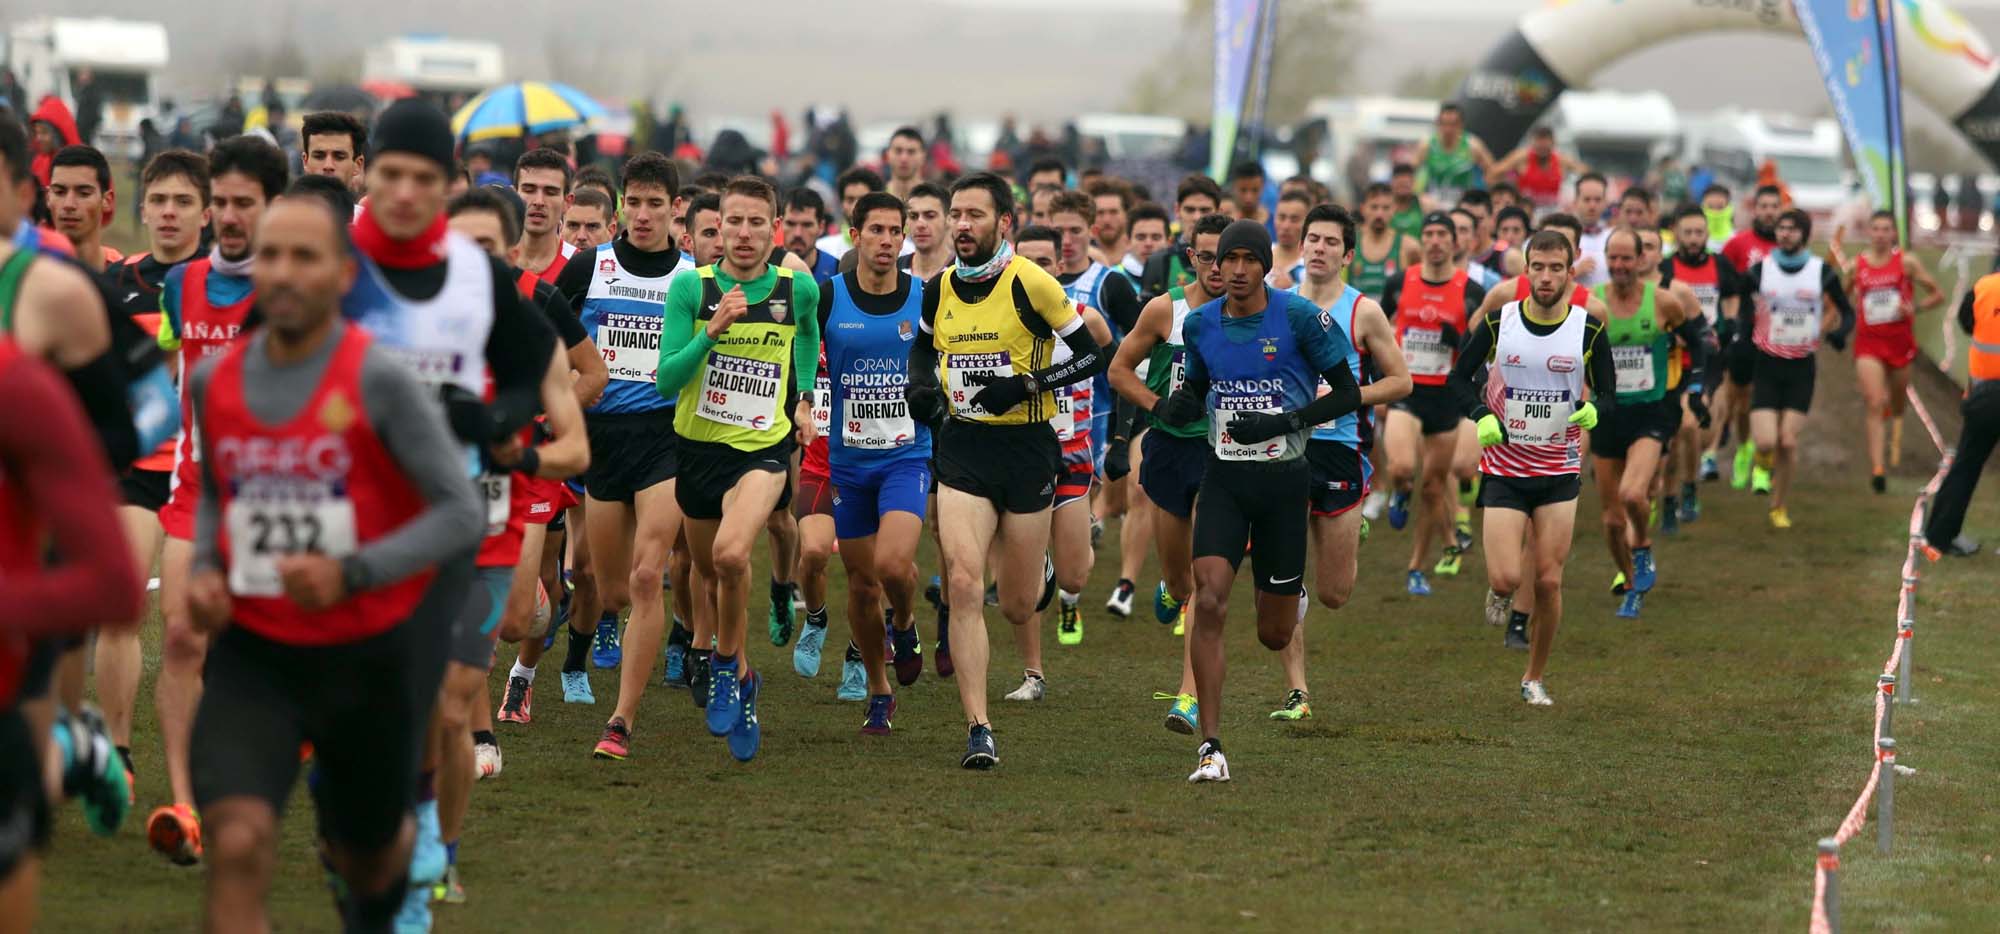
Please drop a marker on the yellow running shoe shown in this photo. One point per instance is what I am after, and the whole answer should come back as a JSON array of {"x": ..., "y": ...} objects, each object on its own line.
[
  {"x": 1180, "y": 622},
  {"x": 1297, "y": 707},
  {"x": 1448, "y": 566},
  {"x": 1780, "y": 519}
]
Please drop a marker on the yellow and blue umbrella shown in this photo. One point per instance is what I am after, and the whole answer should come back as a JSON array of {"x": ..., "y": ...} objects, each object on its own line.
[{"x": 523, "y": 109}]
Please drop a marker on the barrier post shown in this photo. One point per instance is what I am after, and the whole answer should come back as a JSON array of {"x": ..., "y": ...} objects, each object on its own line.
[
  {"x": 1887, "y": 685},
  {"x": 1885, "y": 794},
  {"x": 1829, "y": 866},
  {"x": 1906, "y": 630}
]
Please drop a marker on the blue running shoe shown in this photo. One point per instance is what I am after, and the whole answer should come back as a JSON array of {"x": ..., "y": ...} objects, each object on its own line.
[
  {"x": 805, "y": 654},
  {"x": 1690, "y": 504},
  {"x": 881, "y": 707},
  {"x": 1418, "y": 586},
  {"x": 605, "y": 649},
  {"x": 725, "y": 703},
  {"x": 853, "y": 679},
  {"x": 678, "y": 640},
  {"x": 1634, "y": 599},
  {"x": 427, "y": 856},
  {"x": 1643, "y": 573},
  {"x": 576, "y": 688},
  {"x": 1184, "y": 715},
  {"x": 415, "y": 915},
  {"x": 1399, "y": 511},
  {"x": 1166, "y": 609},
  {"x": 1670, "y": 516},
  {"x": 979, "y": 751},
  {"x": 747, "y": 734}
]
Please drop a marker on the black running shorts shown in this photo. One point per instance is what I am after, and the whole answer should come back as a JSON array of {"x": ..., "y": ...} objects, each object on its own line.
[
  {"x": 1259, "y": 509},
  {"x": 1170, "y": 471},
  {"x": 629, "y": 453},
  {"x": 1527, "y": 494},
  {"x": 1782, "y": 383},
  {"x": 1340, "y": 477},
  {"x": 1624, "y": 425},
  {"x": 146, "y": 489},
  {"x": 1013, "y": 466},
  {"x": 1435, "y": 407},
  {"x": 709, "y": 471}
]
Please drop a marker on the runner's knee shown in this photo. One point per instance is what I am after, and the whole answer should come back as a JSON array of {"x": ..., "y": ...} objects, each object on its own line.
[
  {"x": 1332, "y": 596},
  {"x": 183, "y": 648},
  {"x": 239, "y": 841}
]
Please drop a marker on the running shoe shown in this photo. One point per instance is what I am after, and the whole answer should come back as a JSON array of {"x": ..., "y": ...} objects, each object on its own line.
[
  {"x": 174, "y": 831},
  {"x": 881, "y": 708},
  {"x": 780, "y": 620},
  {"x": 1399, "y": 510},
  {"x": 805, "y": 655},
  {"x": 518, "y": 704},
  {"x": 576, "y": 688},
  {"x": 450, "y": 891},
  {"x": 853, "y": 679},
  {"x": 748, "y": 735},
  {"x": 1363, "y": 538},
  {"x": 616, "y": 743},
  {"x": 1166, "y": 609},
  {"x": 1069, "y": 625},
  {"x": 698, "y": 674},
  {"x": 979, "y": 750},
  {"x": 1417, "y": 585},
  {"x": 1033, "y": 688},
  {"x": 1644, "y": 573},
  {"x": 1780, "y": 519},
  {"x": 1448, "y": 565},
  {"x": 1181, "y": 717},
  {"x": 1461, "y": 534},
  {"x": 1760, "y": 481},
  {"x": 605, "y": 650},
  {"x": 1618, "y": 586},
  {"x": 1878, "y": 483},
  {"x": 1517, "y": 634},
  {"x": 1371, "y": 508},
  {"x": 1669, "y": 512},
  {"x": 907, "y": 654},
  {"x": 486, "y": 761},
  {"x": 1120, "y": 604},
  {"x": 1210, "y": 766},
  {"x": 935, "y": 594},
  {"x": 1746, "y": 458},
  {"x": 94, "y": 772},
  {"x": 725, "y": 698},
  {"x": 415, "y": 915},
  {"x": 1629, "y": 608},
  {"x": 559, "y": 620},
  {"x": 1180, "y": 622},
  {"x": 993, "y": 594},
  {"x": 1535, "y": 694},
  {"x": 1653, "y": 516},
  {"x": 1096, "y": 533},
  {"x": 942, "y": 656},
  {"x": 427, "y": 856},
  {"x": 678, "y": 640},
  {"x": 1498, "y": 608},
  {"x": 1710, "y": 471},
  {"x": 1297, "y": 707},
  {"x": 1690, "y": 504}
]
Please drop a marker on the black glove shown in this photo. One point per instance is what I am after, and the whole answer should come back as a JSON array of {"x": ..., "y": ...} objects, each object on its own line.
[
  {"x": 998, "y": 393},
  {"x": 1448, "y": 336},
  {"x": 1837, "y": 340},
  {"x": 1255, "y": 427},
  {"x": 927, "y": 403},
  {"x": 1178, "y": 409},
  {"x": 1118, "y": 459},
  {"x": 469, "y": 418},
  {"x": 1698, "y": 406}
]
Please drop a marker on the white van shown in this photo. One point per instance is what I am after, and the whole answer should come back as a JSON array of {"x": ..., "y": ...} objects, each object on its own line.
[
  {"x": 1810, "y": 156},
  {"x": 125, "y": 59},
  {"x": 436, "y": 67},
  {"x": 1135, "y": 136},
  {"x": 1378, "y": 131}
]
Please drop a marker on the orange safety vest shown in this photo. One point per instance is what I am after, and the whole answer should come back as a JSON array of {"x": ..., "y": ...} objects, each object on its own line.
[{"x": 1983, "y": 363}]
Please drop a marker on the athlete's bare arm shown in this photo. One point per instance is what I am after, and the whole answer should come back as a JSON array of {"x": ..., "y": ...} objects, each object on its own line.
[
  {"x": 1681, "y": 304},
  {"x": 591, "y": 376},
  {"x": 1372, "y": 331},
  {"x": 1152, "y": 328},
  {"x": 59, "y": 316},
  {"x": 1094, "y": 323},
  {"x": 1931, "y": 296},
  {"x": 1508, "y": 163},
  {"x": 568, "y": 452}
]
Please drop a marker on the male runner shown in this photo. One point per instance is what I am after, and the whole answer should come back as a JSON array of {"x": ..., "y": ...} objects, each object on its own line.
[
  {"x": 1452, "y": 161},
  {"x": 1337, "y": 450},
  {"x": 905, "y": 160},
  {"x": 805, "y": 222},
  {"x": 1744, "y": 249},
  {"x": 1198, "y": 196},
  {"x": 1642, "y": 319},
  {"x": 542, "y": 179},
  {"x": 1253, "y": 362},
  {"x": 81, "y": 202},
  {"x": 1538, "y": 169},
  {"x": 1246, "y": 189},
  {"x": 1799, "y": 300},
  {"x": 334, "y": 144},
  {"x": 1110, "y": 228},
  {"x": 931, "y": 251},
  {"x": 1288, "y": 226},
  {"x": 1884, "y": 281},
  {"x": 851, "y": 185},
  {"x": 1587, "y": 203},
  {"x": 1429, "y": 306},
  {"x": 1540, "y": 354},
  {"x": 990, "y": 326},
  {"x": 202, "y": 308},
  {"x": 1407, "y": 210},
  {"x": 744, "y": 383},
  {"x": 1146, "y": 230},
  {"x": 1382, "y": 250},
  {"x": 1465, "y": 241},
  {"x": 1047, "y": 172},
  {"x": 1750, "y": 245},
  {"x": 1099, "y": 286},
  {"x": 631, "y": 515},
  {"x": 1174, "y": 456},
  {"x": 312, "y": 573},
  {"x": 1717, "y": 290},
  {"x": 591, "y": 220}
]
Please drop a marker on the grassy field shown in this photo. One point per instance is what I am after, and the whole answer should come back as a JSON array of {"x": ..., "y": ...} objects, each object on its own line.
[{"x": 1690, "y": 762}]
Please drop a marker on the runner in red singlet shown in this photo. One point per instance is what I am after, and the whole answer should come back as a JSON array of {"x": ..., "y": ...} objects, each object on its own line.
[{"x": 1884, "y": 281}]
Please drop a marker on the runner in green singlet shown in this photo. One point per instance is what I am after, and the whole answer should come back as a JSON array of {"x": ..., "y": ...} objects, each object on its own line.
[{"x": 1451, "y": 162}]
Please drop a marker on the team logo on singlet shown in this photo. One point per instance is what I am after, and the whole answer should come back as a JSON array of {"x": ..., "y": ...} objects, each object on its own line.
[
  {"x": 336, "y": 414},
  {"x": 607, "y": 264},
  {"x": 779, "y": 309},
  {"x": 1562, "y": 364},
  {"x": 1270, "y": 348}
]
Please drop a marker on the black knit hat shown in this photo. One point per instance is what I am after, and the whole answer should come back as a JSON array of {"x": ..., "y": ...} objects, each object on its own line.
[
  {"x": 416, "y": 127},
  {"x": 1246, "y": 235}
]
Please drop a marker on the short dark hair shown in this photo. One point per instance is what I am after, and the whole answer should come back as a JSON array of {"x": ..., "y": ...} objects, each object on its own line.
[
  {"x": 1402, "y": 168},
  {"x": 1476, "y": 197},
  {"x": 1474, "y": 218},
  {"x": 929, "y": 190},
  {"x": 14, "y": 148},
  {"x": 1071, "y": 201},
  {"x": 1108, "y": 185},
  {"x": 859, "y": 175},
  {"x": 1772, "y": 190},
  {"x": 1542, "y": 132},
  {"x": 84, "y": 157},
  {"x": 1248, "y": 168},
  {"x": 1500, "y": 187},
  {"x": 803, "y": 198},
  {"x": 1047, "y": 164},
  {"x": 1377, "y": 190},
  {"x": 1690, "y": 211},
  {"x": 1209, "y": 224},
  {"x": 907, "y": 131},
  {"x": 1887, "y": 215},
  {"x": 1300, "y": 195},
  {"x": 1039, "y": 232},
  {"x": 710, "y": 180},
  {"x": 1514, "y": 212},
  {"x": 1196, "y": 183},
  {"x": 1147, "y": 211},
  {"x": 1564, "y": 220},
  {"x": 1597, "y": 177},
  {"x": 544, "y": 158},
  {"x": 1799, "y": 219},
  {"x": 329, "y": 191},
  {"x": 252, "y": 156},
  {"x": 1333, "y": 214},
  {"x": 490, "y": 201},
  {"x": 177, "y": 163},
  {"x": 705, "y": 201},
  {"x": 1548, "y": 241},
  {"x": 1717, "y": 189},
  {"x": 592, "y": 198},
  {"x": 1450, "y": 108},
  {"x": 651, "y": 168},
  {"x": 595, "y": 175},
  {"x": 335, "y": 123},
  {"x": 876, "y": 201},
  {"x": 1637, "y": 193},
  {"x": 751, "y": 186},
  {"x": 994, "y": 186}
]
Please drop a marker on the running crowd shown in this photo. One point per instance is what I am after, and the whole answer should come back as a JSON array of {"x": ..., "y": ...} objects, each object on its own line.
[{"x": 368, "y": 427}]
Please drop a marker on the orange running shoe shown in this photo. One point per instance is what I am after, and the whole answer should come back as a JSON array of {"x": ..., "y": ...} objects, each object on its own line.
[{"x": 174, "y": 831}]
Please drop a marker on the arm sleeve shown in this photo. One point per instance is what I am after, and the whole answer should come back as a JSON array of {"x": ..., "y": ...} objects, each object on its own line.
[
  {"x": 1393, "y": 288},
  {"x": 923, "y": 351},
  {"x": 1472, "y": 358},
  {"x": 1475, "y": 296},
  {"x": 678, "y": 330},
  {"x": 55, "y": 459},
  {"x": 555, "y": 306},
  {"x": 1694, "y": 334},
  {"x": 805, "y": 340},
  {"x": 1829, "y": 284},
  {"x": 1746, "y": 307},
  {"x": 169, "y": 336},
  {"x": 420, "y": 441},
  {"x": 1343, "y": 395},
  {"x": 517, "y": 354},
  {"x": 208, "y": 509},
  {"x": 825, "y": 313},
  {"x": 1965, "y": 319},
  {"x": 1044, "y": 298},
  {"x": 1600, "y": 372},
  {"x": 1121, "y": 303},
  {"x": 574, "y": 280}
]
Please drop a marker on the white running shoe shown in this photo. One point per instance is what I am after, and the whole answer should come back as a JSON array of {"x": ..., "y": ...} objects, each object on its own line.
[
  {"x": 1535, "y": 694},
  {"x": 1371, "y": 508},
  {"x": 1498, "y": 608},
  {"x": 485, "y": 761},
  {"x": 1212, "y": 767},
  {"x": 1033, "y": 686}
]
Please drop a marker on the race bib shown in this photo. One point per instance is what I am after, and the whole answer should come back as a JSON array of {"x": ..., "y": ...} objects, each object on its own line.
[
  {"x": 1425, "y": 351},
  {"x": 1065, "y": 418},
  {"x": 1177, "y": 372},
  {"x": 959, "y": 367},
  {"x": 740, "y": 392},
  {"x": 1882, "y": 306},
  {"x": 876, "y": 418},
  {"x": 268, "y": 521},
  {"x": 498, "y": 491},
  {"x": 630, "y": 345},
  {"x": 1538, "y": 416},
  {"x": 1711, "y": 302},
  {"x": 1634, "y": 367},
  {"x": 822, "y": 404},
  {"x": 1794, "y": 328},
  {"x": 434, "y": 368},
  {"x": 1229, "y": 449}
]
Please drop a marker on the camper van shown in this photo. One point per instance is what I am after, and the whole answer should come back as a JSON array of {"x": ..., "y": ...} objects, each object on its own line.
[
  {"x": 124, "y": 57},
  {"x": 439, "y": 69},
  {"x": 1367, "y": 136},
  {"x": 1619, "y": 135},
  {"x": 1809, "y": 155}
]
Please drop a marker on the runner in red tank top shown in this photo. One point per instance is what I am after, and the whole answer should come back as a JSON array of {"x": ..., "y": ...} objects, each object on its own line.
[{"x": 1884, "y": 281}]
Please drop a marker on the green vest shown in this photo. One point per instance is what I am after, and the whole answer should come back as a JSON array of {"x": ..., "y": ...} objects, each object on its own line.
[
  {"x": 1450, "y": 170},
  {"x": 1408, "y": 222},
  {"x": 11, "y": 274},
  {"x": 742, "y": 395},
  {"x": 1166, "y": 363},
  {"x": 1371, "y": 278},
  {"x": 1639, "y": 349}
]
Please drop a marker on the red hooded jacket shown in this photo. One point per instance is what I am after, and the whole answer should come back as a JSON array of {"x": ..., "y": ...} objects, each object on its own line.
[{"x": 55, "y": 113}]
